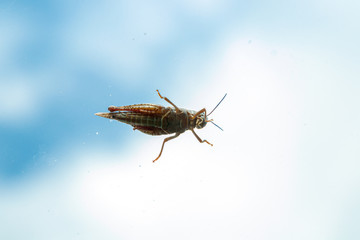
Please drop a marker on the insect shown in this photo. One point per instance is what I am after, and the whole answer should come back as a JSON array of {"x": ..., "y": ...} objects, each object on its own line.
[{"x": 154, "y": 119}]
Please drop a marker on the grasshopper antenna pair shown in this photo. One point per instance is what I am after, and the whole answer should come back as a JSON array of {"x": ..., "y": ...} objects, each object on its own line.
[{"x": 214, "y": 110}]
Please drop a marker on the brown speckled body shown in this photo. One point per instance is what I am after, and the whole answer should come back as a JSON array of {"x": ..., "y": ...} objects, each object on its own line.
[{"x": 153, "y": 119}]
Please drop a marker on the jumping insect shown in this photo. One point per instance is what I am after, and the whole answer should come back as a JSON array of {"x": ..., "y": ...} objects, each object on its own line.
[{"x": 154, "y": 119}]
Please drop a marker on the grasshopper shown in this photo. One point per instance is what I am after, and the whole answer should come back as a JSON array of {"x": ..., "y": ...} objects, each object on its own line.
[{"x": 155, "y": 119}]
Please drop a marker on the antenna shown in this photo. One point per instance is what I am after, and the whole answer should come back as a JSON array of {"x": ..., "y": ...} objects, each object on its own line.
[
  {"x": 216, "y": 107},
  {"x": 214, "y": 110},
  {"x": 217, "y": 126}
]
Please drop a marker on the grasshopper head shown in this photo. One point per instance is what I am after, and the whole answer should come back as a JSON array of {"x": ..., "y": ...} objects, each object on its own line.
[{"x": 201, "y": 121}]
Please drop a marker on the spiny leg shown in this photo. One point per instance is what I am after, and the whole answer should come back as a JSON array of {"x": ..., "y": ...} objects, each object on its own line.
[
  {"x": 166, "y": 99},
  {"x": 165, "y": 140},
  {"x": 198, "y": 138}
]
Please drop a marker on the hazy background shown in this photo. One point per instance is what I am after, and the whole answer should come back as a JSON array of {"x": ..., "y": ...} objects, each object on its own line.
[{"x": 286, "y": 166}]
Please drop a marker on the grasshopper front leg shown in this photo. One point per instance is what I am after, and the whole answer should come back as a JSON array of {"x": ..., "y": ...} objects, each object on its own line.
[
  {"x": 198, "y": 113},
  {"x": 198, "y": 138}
]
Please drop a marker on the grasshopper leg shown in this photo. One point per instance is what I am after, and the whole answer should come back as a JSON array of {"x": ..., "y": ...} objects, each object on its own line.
[
  {"x": 198, "y": 113},
  {"x": 198, "y": 138},
  {"x": 165, "y": 140},
  {"x": 166, "y": 99},
  {"x": 113, "y": 108}
]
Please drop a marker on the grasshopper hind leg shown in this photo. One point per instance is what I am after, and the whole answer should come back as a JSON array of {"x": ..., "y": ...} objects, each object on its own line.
[{"x": 165, "y": 140}]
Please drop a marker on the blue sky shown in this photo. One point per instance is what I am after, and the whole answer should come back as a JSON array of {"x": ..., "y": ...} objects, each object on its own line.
[{"x": 286, "y": 166}]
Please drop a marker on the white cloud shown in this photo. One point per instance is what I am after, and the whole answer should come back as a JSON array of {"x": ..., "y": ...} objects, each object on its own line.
[
  {"x": 18, "y": 102},
  {"x": 205, "y": 8},
  {"x": 129, "y": 33}
]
